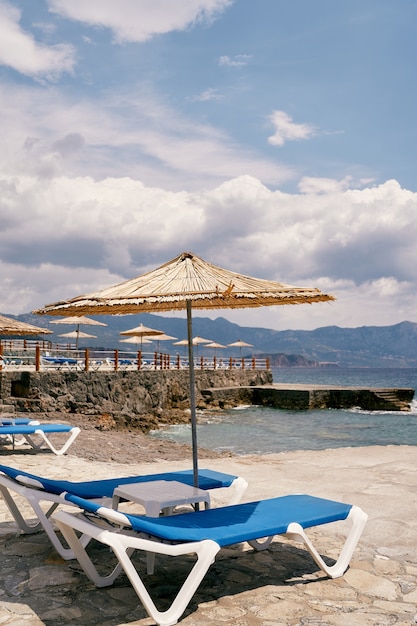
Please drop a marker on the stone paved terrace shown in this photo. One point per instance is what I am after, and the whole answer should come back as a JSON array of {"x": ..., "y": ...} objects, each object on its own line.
[{"x": 278, "y": 587}]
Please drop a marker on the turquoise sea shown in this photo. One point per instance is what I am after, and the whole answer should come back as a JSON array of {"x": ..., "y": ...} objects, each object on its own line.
[{"x": 261, "y": 430}]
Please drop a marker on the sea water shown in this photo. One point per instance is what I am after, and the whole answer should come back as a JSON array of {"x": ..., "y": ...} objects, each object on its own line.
[{"x": 263, "y": 430}]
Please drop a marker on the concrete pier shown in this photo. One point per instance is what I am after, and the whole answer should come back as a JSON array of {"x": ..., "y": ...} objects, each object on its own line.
[{"x": 305, "y": 397}]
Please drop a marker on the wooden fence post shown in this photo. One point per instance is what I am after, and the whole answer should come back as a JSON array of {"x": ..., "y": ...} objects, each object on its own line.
[{"x": 37, "y": 358}]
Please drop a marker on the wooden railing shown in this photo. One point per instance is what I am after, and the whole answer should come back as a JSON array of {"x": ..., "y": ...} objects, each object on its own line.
[{"x": 38, "y": 359}]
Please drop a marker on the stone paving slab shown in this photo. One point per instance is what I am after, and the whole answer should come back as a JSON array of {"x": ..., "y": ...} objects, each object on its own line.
[{"x": 278, "y": 587}]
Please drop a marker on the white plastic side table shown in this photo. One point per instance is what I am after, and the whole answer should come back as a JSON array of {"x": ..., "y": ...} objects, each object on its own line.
[{"x": 159, "y": 496}]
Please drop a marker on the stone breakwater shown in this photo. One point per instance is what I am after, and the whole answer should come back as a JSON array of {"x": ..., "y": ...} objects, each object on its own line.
[
  {"x": 138, "y": 399},
  {"x": 306, "y": 397}
]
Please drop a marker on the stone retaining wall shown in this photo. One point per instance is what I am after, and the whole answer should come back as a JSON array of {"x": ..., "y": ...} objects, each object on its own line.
[{"x": 132, "y": 398}]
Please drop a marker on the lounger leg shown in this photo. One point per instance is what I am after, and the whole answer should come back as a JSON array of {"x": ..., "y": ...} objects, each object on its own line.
[
  {"x": 42, "y": 519},
  {"x": 261, "y": 544},
  {"x": 14, "y": 510},
  {"x": 358, "y": 519},
  {"x": 65, "y": 553},
  {"x": 73, "y": 434},
  {"x": 122, "y": 546}
]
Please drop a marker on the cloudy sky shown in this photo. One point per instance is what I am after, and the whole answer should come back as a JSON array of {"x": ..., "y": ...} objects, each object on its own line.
[{"x": 273, "y": 138}]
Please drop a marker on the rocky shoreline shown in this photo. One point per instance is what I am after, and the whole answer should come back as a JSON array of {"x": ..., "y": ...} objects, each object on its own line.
[{"x": 102, "y": 439}]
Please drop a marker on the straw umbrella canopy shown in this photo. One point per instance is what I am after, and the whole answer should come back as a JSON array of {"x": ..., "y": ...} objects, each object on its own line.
[
  {"x": 240, "y": 344},
  {"x": 196, "y": 341},
  {"x": 159, "y": 338},
  {"x": 78, "y": 320},
  {"x": 183, "y": 342},
  {"x": 12, "y": 327},
  {"x": 216, "y": 345},
  {"x": 186, "y": 282},
  {"x": 142, "y": 331},
  {"x": 136, "y": 340},
  {"x": 77, "y": 334}
]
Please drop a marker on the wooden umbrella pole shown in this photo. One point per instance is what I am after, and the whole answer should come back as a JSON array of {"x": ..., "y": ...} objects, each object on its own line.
[{"x": 192, "y": 393}]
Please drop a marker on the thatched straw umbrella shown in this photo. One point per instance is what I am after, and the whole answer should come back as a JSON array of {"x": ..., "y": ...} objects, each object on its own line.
[
  {"x": 12, "y": 327},
  {"x": 240, "y": 344},
  {"x": 186, "y": 282},
  {"x": 215, "y": 345},
  {"x": 78, "y": 320},
  {"x": 77, "y": 334},
  {"x": 142, "y": 331}
]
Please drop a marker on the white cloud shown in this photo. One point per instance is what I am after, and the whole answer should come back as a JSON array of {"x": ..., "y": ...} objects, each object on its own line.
[
  {"x": 239, "y": 60},
  {"x": 139, "y": 20},
  {"x": 357, "y": 244},
  {"x": 130, "y": 134},
  {"x": 287, "y": 130},
  {"x": 24, "y": 288},
  {"x": 21, "y": 52},
  {"x": 208, "y": 94},
  {"x": 312, "y": 185}
]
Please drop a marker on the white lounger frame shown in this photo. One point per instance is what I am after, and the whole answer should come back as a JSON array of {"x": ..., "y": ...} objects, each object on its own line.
[
  {"x": 45, "y": 441},
  {"x": 123, "y": 544},
  {"x": 35, "y": 495}
]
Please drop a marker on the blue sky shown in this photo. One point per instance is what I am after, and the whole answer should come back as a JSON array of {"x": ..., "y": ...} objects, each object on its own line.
[{"x": 272, "y": 138}]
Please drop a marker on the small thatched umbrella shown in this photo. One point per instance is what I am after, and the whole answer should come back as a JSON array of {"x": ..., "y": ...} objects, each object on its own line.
[
  {"x": 142, "y": 331},
  {"x": 78, "y": 320},
  {"x": 163, "y": 337},
  {"x": 216, "y": 345},
  {"x": 186, "y": 282},
  {"x": 77, "y": 334},
  {"x": 240, "y": 344},
  {"x": 136, "y": 340},
  {"x": 11, "y": 327}
]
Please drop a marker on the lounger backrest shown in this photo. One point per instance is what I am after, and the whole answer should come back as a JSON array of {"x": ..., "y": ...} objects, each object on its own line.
[{"x": 208, "y": 479}]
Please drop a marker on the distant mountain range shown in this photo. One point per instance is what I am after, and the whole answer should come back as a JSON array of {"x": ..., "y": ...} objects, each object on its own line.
[{"x": 367, "y": 346}]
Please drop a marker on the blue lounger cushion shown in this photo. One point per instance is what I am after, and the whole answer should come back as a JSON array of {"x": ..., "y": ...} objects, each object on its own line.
[
  {"x": 236, "y": 523},
  {"x": 31, "y": 429},
  {"x": 16, "y": 421},
  {"x": 208, "y": 479},
  {"x": 60, "y": 360}
]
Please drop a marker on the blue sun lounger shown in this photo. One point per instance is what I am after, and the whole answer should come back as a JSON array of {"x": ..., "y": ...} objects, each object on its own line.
[
  {"x": 16, "y": 421},
  {"x": 202, "y": 533},
  {"x": 60, "y": 362},
  {"x": 38, "y": 435},
  {"x": 36, "y": 489}
]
